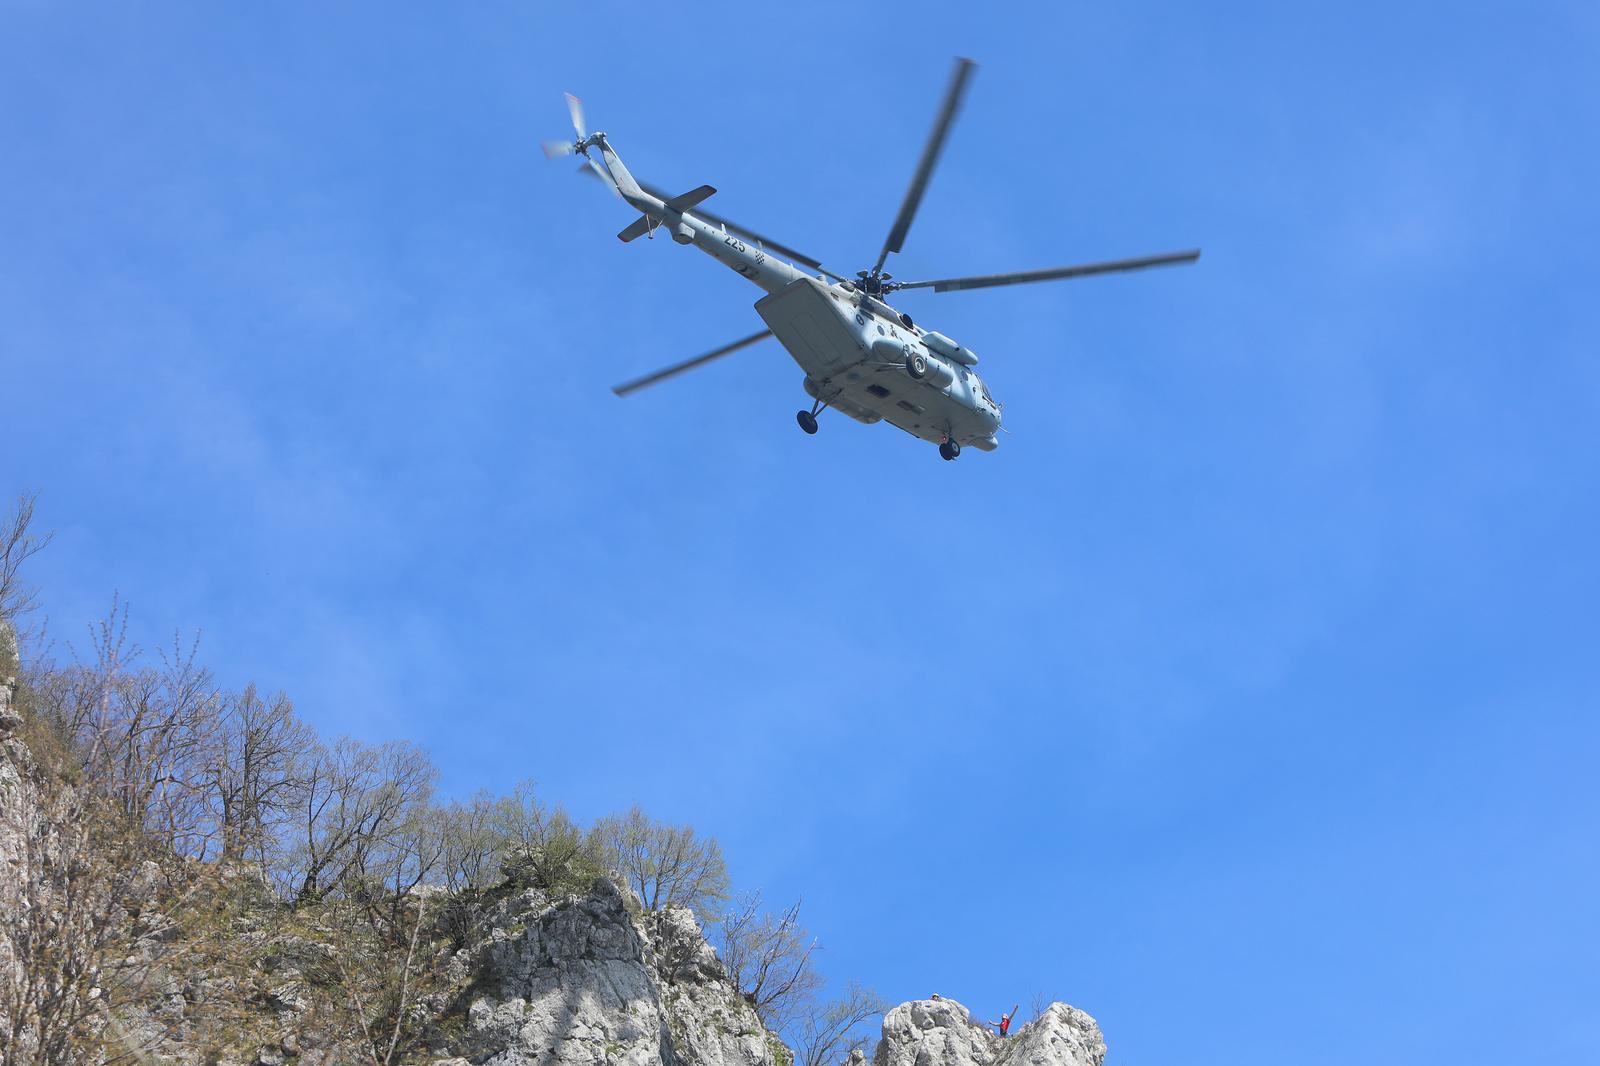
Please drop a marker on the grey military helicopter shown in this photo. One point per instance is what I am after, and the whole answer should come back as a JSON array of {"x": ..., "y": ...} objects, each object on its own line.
[{"x": 860, "y": 356}]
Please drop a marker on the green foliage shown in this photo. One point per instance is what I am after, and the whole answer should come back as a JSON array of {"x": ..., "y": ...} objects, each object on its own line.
[
  {"x": 541, "y": 847},
  {"x": 781, "y": 1055},
  {"x": 46, "y": 741}
]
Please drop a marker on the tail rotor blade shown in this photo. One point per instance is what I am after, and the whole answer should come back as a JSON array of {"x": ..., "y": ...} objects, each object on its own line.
[
  {"x": 575, "y": 107},
  {"x": 598, "y": 171},
  {"x": 556, "y": 149}
]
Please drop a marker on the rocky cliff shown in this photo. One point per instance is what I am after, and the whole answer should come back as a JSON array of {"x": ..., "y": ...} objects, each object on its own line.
[
  {"x": 231, "y": 975},
  {"x": 17, "y": 816},
  {"x": 586, "y": 982},
  {"x": 941, "y": 1032}
]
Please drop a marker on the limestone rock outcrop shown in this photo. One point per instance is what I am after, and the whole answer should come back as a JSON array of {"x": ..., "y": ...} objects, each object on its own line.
[
  {"x": 584, "y": 982},
  {"x": 18, "y": 813},
  {"x": 933, "y": 1032},
  {"x": 1061, "y": 1036},
  {"x": 9, "y": 668},
  {"x": 941, "y": 1032}
]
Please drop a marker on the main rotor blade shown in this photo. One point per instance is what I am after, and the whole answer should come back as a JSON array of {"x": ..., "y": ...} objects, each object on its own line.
[
  {"x": 930, "y": 156},
  {"x": 1082, "y": 270},
  {"x": 575, "y": 109},
  {"x": 689, "y": 364},
  {"x": 743, "y": 231}
]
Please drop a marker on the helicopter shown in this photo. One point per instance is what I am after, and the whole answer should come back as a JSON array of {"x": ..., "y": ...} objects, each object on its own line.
[{"x": 861, "y": 356}]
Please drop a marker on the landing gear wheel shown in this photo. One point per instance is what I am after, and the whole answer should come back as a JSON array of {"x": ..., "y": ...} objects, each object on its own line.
[
  {"x": 949, "y": 450},
  {"x": 807, "y": 420}
]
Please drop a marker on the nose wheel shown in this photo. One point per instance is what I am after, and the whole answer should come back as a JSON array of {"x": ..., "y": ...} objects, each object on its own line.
[
  {"x": 949, "y": 450},
  {"x": 808, "y": 419}
]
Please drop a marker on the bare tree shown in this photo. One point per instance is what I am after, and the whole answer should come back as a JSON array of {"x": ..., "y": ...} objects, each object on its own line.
[
  {"x": 135, "y": 733},
  {"x": 17, "y": 545},
  {"x": 471, "y": 856},
  {"x": 249, "y": 774},
  {"x": 352, "y": 797},
  {"x": 768, "y": 957},
  {"x": 180, "y": 711},
  {"x": 391, "y": 836},
  {"x": 472, "y": 846},
  {"x": 827, "y": 1032},
  {"x": 665, "y": 865},
  {"x": 408, "y": 853}
]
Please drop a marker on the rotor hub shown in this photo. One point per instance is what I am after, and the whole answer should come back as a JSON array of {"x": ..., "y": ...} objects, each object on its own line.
[{"x": 875, "y": 282}]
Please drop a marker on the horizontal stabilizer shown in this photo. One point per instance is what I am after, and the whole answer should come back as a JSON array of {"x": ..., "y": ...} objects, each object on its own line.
[
  {"x": 638, "y": 228},
  {"x": 690, "y": 198}
]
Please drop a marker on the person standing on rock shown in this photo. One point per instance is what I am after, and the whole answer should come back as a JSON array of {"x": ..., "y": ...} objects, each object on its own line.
[{"x": 1004, "y": 1024}]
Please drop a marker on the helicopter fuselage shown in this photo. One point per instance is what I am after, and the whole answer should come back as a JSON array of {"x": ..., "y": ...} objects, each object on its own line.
[{"x": 860, "y": 356}]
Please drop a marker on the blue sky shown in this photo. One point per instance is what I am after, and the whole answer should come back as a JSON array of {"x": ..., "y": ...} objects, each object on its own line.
[{"x": 1246, "y": 697}]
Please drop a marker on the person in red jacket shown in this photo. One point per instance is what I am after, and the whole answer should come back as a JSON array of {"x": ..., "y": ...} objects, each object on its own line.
[{"x": 1004, "y": 1024}]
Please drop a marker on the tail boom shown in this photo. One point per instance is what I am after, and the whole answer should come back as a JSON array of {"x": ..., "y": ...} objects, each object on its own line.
[{"x": 676, "y": 216}]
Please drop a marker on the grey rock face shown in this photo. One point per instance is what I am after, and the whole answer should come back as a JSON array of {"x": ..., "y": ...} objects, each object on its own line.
[
  {"x": 933, "y": 1032},
  {"x": 583, "y": 983},
  {"x": 10, "y": 658},
  {"x": 709, "y": 1020},
  {"x": 1061, "y": 1036},
  {"x": 9, "y": 668},
  {"x": 18, "y": 814},
  {"x": 941, "y": 1032}
]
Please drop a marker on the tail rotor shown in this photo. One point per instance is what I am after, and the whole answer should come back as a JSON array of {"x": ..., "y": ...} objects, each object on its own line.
[
  {"x": 557, "y": 149},
  {"x": 581, "y": 146}
]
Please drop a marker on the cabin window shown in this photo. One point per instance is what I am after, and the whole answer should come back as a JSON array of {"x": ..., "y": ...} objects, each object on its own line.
[{"x": 880, "y": 330}]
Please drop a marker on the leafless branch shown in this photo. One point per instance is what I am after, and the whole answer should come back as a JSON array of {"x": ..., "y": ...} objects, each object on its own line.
[{"x": 17, "y": 546}]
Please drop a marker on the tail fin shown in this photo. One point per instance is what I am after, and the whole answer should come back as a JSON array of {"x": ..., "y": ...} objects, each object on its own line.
[{"x": 619, "y": 173}]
